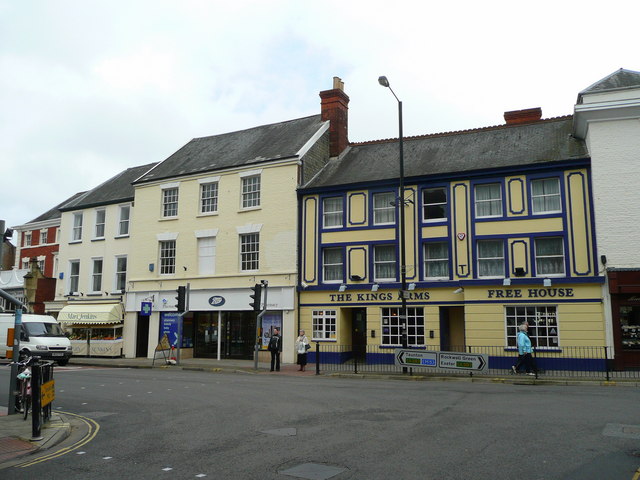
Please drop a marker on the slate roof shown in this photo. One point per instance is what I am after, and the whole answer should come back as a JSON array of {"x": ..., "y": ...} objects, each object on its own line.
[
  {"x": 619, "y": 80},
  {"x": 237, "y": 149},
  {"x": 117, "y": 189},
  {"x": 54, "y": 213},
  {"x": 450, "y": 153}
]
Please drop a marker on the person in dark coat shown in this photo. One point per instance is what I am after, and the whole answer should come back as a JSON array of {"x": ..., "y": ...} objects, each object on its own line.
[{"x": 275, "y": 347}]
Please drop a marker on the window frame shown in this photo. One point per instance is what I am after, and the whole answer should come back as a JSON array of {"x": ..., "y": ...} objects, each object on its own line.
[
  {"x": 426, "y": 260},
  {"x": 74, "y": 278},
  {"x": 170, "y": 202},
  {"x": 333, "y": 265},
  {"x": 480, "y": 259},
  {"x": 376, "y": 209},
  {"x": 246, "y": 255},
  {"x": 324, "y": 325},
  {"x": 28, "y": 239},
  {"x": 386, "y": 321},
  {"x": 426, "y": 204},
  {"x": 477, "y": 203},
  {"x": 96, "y": 276},
  {"x": 545, "y": 196},
  {"x": 533, "y": 315},
  {"x": 120, "y": 275},
  {"x": 124, "y": 221},
  {"x": 99, "y": 224},
  {"x": 76, "y": 229},
  {"x": 213, "y": 198},
  {"x": 200, "y": 246},
  {"x": 337, "y": 213},
  {"x": 44, "y": 236},
  {"x": 377, "y": 263},
  {"x": 167, "y": 252},
  {"x": 250, "y": 193},
  {"x": 537, "y": 257}
]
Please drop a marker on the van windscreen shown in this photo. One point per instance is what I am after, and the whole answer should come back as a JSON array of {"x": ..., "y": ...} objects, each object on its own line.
[{"x": 42, "y": 329}]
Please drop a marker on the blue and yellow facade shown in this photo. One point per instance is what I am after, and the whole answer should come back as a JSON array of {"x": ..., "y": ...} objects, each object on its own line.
[{"x": 489, "y": 243}]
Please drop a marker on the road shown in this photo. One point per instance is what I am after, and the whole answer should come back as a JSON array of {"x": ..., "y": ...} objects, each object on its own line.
[{"x": 175, "y": 424}]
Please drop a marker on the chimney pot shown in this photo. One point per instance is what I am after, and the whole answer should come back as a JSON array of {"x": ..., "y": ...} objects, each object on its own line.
[{"x": 518, "y": 117}]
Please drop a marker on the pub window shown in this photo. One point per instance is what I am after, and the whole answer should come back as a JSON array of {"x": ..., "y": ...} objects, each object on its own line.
[
  {"x": 542, "y": 321},
  {"x": 392, "y": 327},
  {"x": 324, "y": 325},
  {"x": 434, "y": 204}
]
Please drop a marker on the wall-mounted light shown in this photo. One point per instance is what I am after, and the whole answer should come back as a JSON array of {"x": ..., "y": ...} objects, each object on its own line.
[
  {"x": 546, "y": 282},
  {"x": 458, "y": 290},
  {"x": 342, "y": 288},
  {"x": 375, "y": 287},
  {"x": 506, "y": 282},
  {"x": 356, "y": 278},
  {"x": 303, "y": 285},
  {"x": 411, "y": 286},
  {"x": 519, "y": 272},
  {"x": 603, "y": 259}
]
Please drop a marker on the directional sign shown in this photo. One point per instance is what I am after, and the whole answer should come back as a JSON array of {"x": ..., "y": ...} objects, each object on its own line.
[{"x": 473, "y": 362}]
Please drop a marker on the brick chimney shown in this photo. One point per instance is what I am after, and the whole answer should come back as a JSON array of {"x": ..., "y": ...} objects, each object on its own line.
[
  {"x": 334, "y": 106},
  {"x": 518, "y": 117}
]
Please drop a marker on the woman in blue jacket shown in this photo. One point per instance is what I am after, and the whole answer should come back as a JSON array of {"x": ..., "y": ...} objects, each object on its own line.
[{"x": 524, "y": 351}]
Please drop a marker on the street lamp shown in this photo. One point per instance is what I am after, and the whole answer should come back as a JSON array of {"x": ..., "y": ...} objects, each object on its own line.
[{"x": 403, "y": 264}]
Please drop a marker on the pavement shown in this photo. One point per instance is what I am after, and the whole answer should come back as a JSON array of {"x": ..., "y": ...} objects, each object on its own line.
[{"x": 16, "y": 434}]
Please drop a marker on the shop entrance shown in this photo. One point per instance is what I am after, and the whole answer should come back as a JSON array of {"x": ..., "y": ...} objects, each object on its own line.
[
  {"x": 142, "y": 336},
  {"x": 359, "y": 333},
  {"x": 233, "y": 332},
  {"x": 452, "y": 336}
]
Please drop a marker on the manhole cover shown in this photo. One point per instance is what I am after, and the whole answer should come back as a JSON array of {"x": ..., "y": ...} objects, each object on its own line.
[{"x": 313, "y": 471}]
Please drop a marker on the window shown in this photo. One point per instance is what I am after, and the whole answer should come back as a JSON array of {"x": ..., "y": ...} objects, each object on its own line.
[
  {"x": 332, "y": 212},
  {"x": 251, "y": 191},
  {"x": 167, "y": 257},
  {"x": 549, "y": 256},
  {"x": 41, "y": 264},
  {"x": 324, "y": 325},
  {"x": 96, "y": 275},
  {"x": 76, "y": 233},
  {"x": 249, "y": 251},
  {"x": 99, "y": 230},
  {"x": 123, "y": 222},
  {"x": 545, "y": 196},
  {"x": 543, "y": 325},
  {"x": 490, "y": 258},
  {"x": 332, "y": 265},
  {"x": 44, "y": 237},
  {"x": 384, "y": 262},
  {"x": 384, "y": 210},
  {"x": 27, "y": 239},
  {"x": 121, "y": 274},
  {"x": 209, "y": 197},
  {"x": 170, "y": 202},
  {"x": 74, "y": 276},
  {"x": 434, "y": 204},
  {"x": 436, "y": 260},
  {"x": 207, "y": 255},
  {"x": 392, "y": 327},
  {"x": 488, "y": 200}
]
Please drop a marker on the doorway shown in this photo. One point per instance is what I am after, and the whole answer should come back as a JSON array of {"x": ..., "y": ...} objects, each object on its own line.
[
  {"x": 452, "y": 335},
  {"x": 142, "y": 336},
  {"x": 237, "y": 335},
  {"x": 359, "y": 333}
]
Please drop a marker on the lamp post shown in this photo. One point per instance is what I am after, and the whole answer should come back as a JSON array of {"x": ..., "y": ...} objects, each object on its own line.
[{"x": 403, "y": 264}]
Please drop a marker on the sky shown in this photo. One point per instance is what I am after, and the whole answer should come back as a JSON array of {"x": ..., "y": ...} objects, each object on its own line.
[{"x": 89, "y": 88}]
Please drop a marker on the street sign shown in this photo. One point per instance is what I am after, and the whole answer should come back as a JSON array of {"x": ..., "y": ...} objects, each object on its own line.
[
  {"x": 472, "y": 362},
  {"x": 47, "y": 392}
]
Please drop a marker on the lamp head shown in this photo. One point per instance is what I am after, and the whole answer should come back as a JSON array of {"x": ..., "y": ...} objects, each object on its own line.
[{"x": 383, "y": 81}]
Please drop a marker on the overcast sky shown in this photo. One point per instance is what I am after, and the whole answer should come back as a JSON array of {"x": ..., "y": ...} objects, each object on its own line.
[{"x": 89, "y": 88}]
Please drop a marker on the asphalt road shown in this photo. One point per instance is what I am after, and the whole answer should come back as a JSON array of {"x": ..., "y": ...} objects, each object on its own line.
[{"x": 157, "y": 424}]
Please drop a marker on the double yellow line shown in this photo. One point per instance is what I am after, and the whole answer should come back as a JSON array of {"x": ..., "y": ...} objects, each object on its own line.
[{"x": 93, "y": 427}]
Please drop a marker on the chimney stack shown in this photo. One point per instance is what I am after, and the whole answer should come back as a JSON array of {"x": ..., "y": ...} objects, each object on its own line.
[
  {"x": 334, "y": 106},
  {"x": 518, "y": 117}
]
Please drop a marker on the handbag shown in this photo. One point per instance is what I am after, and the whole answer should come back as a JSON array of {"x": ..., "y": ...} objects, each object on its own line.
[{"x": 307, "y": 346}]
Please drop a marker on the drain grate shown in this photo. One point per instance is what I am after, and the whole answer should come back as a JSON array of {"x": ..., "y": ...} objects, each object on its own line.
[{"x": 313, "y": 471}]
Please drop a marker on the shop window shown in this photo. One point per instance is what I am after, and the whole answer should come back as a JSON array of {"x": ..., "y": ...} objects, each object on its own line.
[
  {"x": 251, "y": 191},
  {"x": 434, "y": 204},
  {"x": 488, "y": 200},
  {"x": 630, "y": 323},
  {"x": 542, "y": 321},
  {"x": 332, "y": 212},
  {"x": 324, "y": 325},
  {"x": 436, "y": 260},
  {"x": 384, "y": 210},
  {"x": 392, "y": 327},
  {"x": 249, "y": 251},
  {"x": 545, "y": 196},
  {"x": 490, "y": 258},
  {"x": 549, "y": 256},
  {"x": 167, "y": 257}
]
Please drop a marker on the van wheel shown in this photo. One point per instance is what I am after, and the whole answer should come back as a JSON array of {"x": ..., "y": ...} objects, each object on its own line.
[{"x": 62, "y": 363}]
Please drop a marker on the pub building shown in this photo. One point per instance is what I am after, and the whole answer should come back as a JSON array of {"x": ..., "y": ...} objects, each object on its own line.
[{"x": 498, "y": 230}]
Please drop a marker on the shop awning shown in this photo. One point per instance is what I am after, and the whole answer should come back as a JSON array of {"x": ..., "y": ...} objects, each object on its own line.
[{"x": 89, "y": 314}]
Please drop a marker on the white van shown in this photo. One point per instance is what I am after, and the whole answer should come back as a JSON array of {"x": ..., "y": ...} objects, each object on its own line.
[{"x": 40, "y": 335}]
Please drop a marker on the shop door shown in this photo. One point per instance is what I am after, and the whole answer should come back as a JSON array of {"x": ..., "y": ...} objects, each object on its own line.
[
  {"x": 452, "y": 335},
  {"x": 240, "y": 331},
  {"x": 142, "y": 336},
  {"x": 206, "y": 336},
  {"x": 359, "y": 333}
]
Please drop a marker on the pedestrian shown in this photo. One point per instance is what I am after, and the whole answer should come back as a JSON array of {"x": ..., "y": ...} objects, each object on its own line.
[
  {"x": 302, "y": 345},
  {"x": 275, "y": 347},
  {"x": 525, "y": 357}
]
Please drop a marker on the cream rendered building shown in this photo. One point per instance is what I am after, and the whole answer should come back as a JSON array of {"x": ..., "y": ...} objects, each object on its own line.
[{"x": 221, "y": 215}]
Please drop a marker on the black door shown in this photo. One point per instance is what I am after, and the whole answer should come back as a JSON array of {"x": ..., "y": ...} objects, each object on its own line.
[
  {"x": 359, "y": 333},
  {"x": 142, "y": 336}
]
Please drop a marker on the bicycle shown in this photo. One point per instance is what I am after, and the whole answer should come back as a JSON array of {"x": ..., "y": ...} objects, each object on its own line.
[{"x": 23, "y": 392}]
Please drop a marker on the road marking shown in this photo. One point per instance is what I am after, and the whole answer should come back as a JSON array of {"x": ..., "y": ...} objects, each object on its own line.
[
  {"x": 93, "y": 426},
  {"x": 637, "y": 475}
]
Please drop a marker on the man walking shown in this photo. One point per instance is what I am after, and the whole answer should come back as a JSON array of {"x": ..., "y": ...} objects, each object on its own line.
[{"x": 275, "y": 347}]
